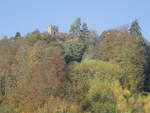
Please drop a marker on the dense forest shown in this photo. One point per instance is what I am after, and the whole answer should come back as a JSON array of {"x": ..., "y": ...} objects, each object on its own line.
[{"x": 76, "y": 72}]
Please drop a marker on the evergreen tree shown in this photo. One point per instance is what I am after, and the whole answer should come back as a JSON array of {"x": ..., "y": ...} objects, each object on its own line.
[
  {"x": 76, "y": 27},
  {"x": 74, "y": 50},
  {"x": 84, "y": 31},
  {"x": 17, "y": 35},
  {"x": 135, "y": 28}
]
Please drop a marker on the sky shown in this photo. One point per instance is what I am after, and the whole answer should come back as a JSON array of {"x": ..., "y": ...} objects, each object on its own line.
[{"x": 25, "y": 16}]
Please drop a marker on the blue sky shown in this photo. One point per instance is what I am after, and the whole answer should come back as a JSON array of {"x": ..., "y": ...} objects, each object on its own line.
[{"x": 27, "y": 15}]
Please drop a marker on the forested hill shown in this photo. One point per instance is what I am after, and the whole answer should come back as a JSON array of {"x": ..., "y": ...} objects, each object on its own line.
[{"x": 76, "y": 72}]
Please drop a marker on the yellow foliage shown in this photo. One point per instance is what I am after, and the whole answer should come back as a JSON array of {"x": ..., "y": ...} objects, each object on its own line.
[
  {"x": 126, "y": 92},
  {"x": 80, "y": 74},
  {"x": 56, "y": 105},
  {"x": 147, "y": 104},
  {"x": 91, "y": 68},
  {"x": 110, "y": 92}
]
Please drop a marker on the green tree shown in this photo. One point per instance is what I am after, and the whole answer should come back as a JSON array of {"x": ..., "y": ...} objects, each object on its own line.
[
  {"x": 76, "y": 27},
  {"x": 103, "y": 35},
  {"x": 84, "y": 31},
  {"x": 37, "y": 36},
  {"x": 33, "y": 37},
  {"x": 104, "y": 98},
  {"x": 80, "y": 74},
  {"x": 130, "y": 53},
  {"x": 135, "y": 28},
  {"x": 74, "y": 49},
  {"x": 17, "y": 35}
]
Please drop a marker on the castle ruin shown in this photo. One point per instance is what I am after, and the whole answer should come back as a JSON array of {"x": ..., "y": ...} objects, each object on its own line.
[{"x": 52, "y": 30}]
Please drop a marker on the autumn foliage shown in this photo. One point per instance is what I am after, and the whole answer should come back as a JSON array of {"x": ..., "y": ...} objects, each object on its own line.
[{"x": 76, "y": 72}]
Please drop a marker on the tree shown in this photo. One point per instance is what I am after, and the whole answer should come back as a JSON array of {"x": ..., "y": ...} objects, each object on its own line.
[
  {"x": 80, "y": 74},
  {"x": 42, "y": 75},
  {"x": 37, "y": 36},
  {"x": 130, "y": 53},
  {"x": 93, "y": 38},
  {"x": 104, "y": 98},
  {"x": 103, "y": 34},
  {"x": 84, "y": 31},
  {"x": 76, "y": 27},
  {"x": 8, "y": 72},
  {"x": 135, "y": 28},
  {"x": 17, "y": 35},
  {"x": 8, "y": 49},
  {"x": 74, "y": 49},
  {"x": 33, "y": 37}
]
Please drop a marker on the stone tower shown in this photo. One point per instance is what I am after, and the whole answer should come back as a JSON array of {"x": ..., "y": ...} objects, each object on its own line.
[{"x": 52, "y": 30}]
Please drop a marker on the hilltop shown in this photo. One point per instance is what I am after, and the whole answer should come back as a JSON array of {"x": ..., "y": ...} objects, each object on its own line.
[{"x": 76, "y": 72}]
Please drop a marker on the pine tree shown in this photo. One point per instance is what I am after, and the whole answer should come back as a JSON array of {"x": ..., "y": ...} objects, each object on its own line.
[
  {"x": 18, "y": 35},
  {"x": 135, "y": 28},
  {"x": 84, "y": 31}
]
